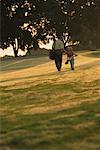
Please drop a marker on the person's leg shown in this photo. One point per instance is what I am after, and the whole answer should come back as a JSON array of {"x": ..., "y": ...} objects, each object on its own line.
[
  {"x": 72, "y": 63},
  {"x": 66, "y": 61},
  {"x": 58, "y": 61}
]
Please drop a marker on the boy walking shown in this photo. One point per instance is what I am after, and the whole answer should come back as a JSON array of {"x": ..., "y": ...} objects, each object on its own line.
[{"x": 70, "y": 57}]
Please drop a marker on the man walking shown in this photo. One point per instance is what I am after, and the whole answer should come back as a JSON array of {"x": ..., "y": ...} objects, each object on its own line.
[{"x": 58, "y": 47}]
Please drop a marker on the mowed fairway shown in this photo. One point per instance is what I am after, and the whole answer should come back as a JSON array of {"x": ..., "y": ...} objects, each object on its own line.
[{"x": 42, "y": 109}]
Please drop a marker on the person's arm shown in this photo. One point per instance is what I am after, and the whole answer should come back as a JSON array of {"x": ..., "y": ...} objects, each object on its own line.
[
  {"x": 74, "y": 54},
  {"x": 53, "y": 46},
  {"x": 67, "y": 56}
]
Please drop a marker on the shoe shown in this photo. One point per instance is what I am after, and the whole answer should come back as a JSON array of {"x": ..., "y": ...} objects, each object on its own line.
[
  {"x": 66, "y": 62},
  {"x": 59, "y": 69}
]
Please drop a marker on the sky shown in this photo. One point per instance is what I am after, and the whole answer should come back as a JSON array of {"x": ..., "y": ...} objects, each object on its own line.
[
  {"x": 46, "y": 46},
  {"x": 9, "y": 51}
]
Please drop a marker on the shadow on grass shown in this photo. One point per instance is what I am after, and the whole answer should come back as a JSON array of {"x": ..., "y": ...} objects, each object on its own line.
[
  {"x": 33, "y": 76},
  {"x": 54, "y": 130},
  {"x": 95, "y": 54},
  {"x": 45, "y": 132},
  {"x": 22, "y": 63},
  {"x": 82, "y": 67},
  {"x": 49, "y": 93},
  {"x": 88, "y": 65}
]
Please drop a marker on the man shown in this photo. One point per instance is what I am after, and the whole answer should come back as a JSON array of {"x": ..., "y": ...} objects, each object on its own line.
[
  {"x": 70, "y": 57},
  {"x": 58, "y": 47}
]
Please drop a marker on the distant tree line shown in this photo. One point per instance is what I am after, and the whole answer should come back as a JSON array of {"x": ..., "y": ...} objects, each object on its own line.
[{"x": 80, "y": 19}]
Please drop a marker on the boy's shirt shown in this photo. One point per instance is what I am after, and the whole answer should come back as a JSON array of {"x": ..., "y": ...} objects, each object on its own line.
[{"x": 70, "y": 53}]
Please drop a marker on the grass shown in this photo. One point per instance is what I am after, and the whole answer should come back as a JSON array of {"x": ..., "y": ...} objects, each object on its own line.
[{"x": 50, "y": 112}]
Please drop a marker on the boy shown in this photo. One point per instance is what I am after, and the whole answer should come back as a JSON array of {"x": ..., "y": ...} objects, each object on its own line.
[{"x": 70, "y": 57}]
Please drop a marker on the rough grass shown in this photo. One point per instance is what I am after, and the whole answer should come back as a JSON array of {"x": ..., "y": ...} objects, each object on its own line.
[{"x": 41, "y": 109}]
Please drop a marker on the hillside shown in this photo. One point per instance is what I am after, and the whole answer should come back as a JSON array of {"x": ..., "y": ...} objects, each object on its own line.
[{"x": 42, "y": 109}]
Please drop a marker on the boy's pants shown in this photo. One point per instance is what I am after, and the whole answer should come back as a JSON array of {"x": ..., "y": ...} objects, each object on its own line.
[{"x": 72, "y": 63}]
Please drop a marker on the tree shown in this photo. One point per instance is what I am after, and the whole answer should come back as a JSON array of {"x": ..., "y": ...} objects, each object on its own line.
[{"x": 45, "y": 17}]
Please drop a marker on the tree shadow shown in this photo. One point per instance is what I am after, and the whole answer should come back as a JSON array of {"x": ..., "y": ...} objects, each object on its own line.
[
  {"x": 22, "y": 63},
  {"x": 34, "y": 76},
  {"x": 95, "y": 54}
]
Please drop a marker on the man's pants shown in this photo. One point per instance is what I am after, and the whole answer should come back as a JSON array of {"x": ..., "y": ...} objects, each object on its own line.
[{"x": 58, "y": 59}]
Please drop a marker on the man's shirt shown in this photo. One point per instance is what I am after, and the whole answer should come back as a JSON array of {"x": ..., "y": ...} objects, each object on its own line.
[{"x": 58, "y": 45}]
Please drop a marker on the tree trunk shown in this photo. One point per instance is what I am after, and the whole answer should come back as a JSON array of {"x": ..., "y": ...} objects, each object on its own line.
[
  {"x": 15, "y": 47},
  {"x": 16, "y": 52}
]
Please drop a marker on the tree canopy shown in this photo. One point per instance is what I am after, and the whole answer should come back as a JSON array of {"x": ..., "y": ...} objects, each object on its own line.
[{"x": 79, "y": 18}]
